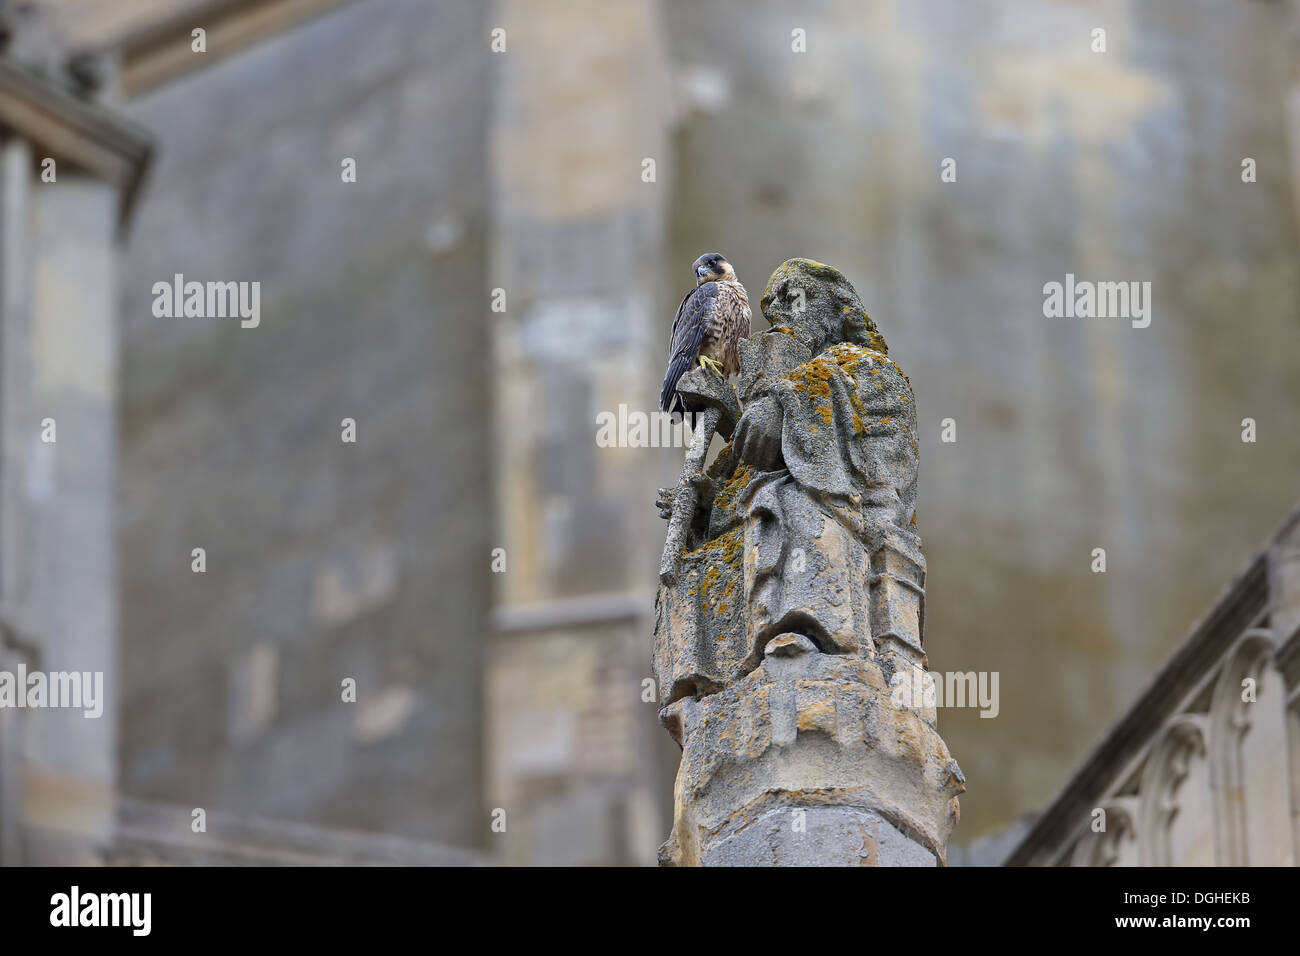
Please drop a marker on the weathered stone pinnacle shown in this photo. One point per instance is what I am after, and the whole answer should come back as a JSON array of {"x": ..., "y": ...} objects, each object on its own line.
[{"x": 796, "y": 611}]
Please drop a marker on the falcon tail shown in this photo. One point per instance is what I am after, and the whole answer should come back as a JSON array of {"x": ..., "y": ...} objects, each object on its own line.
[
  {"x": 668, "y": 397},
  {"x": 669, "y": 400}
]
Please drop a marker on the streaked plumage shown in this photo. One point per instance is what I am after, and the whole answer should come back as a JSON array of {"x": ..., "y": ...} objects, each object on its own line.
[{"x": 711, "y": 320}]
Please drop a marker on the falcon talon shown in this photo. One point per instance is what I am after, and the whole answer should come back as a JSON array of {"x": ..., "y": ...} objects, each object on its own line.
[{"x": 713, "y": 365}]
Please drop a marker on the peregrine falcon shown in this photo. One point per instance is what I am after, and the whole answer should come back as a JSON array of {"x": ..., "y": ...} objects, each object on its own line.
[{"x": 710, "y": 322}]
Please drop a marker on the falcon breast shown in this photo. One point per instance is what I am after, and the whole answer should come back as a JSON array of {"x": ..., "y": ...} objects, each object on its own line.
[{"x": 710, "y": 322}]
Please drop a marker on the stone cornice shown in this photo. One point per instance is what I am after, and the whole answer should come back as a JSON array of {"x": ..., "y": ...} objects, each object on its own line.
[
  {"x": 161, "y": 51},
  {"x": 75, "y": 132}
]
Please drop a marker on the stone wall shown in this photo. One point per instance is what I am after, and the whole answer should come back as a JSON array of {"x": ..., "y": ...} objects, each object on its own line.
[
  {"x": 325, "y": 559},
  {"x": 576, "y": 239}
]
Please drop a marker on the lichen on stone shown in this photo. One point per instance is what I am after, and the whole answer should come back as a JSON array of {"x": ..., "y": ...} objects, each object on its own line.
[
  {"x": 725, "y": 498},
  {"x": 718, "y": 587},
  {"x": 859, "y": 412},
  {"x": 813, "y": 378}
]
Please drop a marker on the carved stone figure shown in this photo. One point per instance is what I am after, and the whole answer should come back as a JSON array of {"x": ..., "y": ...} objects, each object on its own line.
[{"x": 795, "y": 610}]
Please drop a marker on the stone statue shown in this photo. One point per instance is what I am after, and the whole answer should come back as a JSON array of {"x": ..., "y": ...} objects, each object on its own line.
[{"x": 795, "y": 608}]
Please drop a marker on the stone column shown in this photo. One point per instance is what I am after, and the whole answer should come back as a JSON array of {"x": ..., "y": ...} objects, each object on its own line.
[
  {"x": 69, "y": 170},
  {"x": 15, "y": 161},
  {"x": 69, "y": 593},
  {"x": 816, "y": 759}
]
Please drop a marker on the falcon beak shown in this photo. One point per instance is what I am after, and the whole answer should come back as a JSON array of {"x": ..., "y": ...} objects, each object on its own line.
[{"x": 702, "y": 271}]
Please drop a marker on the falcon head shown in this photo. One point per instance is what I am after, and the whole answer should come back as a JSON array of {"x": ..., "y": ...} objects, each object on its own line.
[{"x": 712, "y": 267}]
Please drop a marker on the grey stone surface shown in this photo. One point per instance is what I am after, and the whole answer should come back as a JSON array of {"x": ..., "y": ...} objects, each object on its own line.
[
  {"x": 365, "y": 560},
  {"x": 825, "y": 836}
]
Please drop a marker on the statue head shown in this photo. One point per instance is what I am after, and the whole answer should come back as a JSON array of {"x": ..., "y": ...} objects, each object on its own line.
[{"x": 817, "y": 302}]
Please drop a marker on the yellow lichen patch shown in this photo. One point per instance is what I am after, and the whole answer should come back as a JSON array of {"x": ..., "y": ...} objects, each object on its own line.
[
  {"x": 813, "y": 378},
  {"x": 726, "y": 495},
  {"x": 711, "y": 577},
  {"x": 859, "y": 412},
  {"x": 847, "y": 356},
  {"x": 783, "y": 329},
  {"x": 733, "y": 545},
  {"x": 718, "y": 583},
  {"x": 722, "y": 554}
]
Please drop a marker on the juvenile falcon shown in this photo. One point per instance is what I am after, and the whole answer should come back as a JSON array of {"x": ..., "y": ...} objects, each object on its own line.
[{"x": 710, "y": 322}]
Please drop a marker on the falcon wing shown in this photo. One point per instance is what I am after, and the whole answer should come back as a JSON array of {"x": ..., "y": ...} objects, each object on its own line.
[{"x": 692, "y": 321}]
